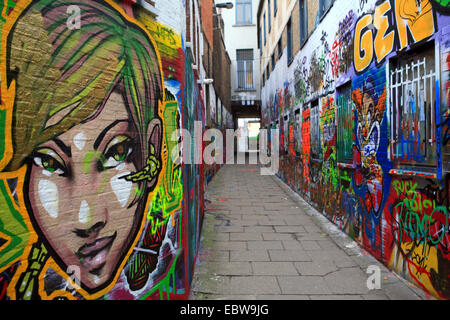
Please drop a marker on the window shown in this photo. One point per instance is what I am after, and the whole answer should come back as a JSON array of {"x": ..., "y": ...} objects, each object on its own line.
[
  {"x": 324, "y": 5},
  {"x": 264, "y": 25},
  {"x": 280, "y": 47},
  {"x": 289, "y": 40},
  {"x": 243, "y": 12},
  {"x": 413, "y": 109},
  {"x": 244, "y": 68},
  {"x": 315, "y": 130},
  {"x": 268, "y": 71},
  {"x": 273, "y": 61},
  {"x": 303, "y": 22},
  {"x": 260, "y": 41},
  {"x": 345, "y": 125},
  {"x": 275, "y": 7},
  {"x": 269, "y": 15}
]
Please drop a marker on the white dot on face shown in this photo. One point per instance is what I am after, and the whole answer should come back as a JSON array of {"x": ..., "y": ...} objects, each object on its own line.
[
  {"x": 84, "y": 212},
  {"x": 48, "y": 195},
  {"x": 121, "y": 188},
  {"x": 80, "y": 141}
]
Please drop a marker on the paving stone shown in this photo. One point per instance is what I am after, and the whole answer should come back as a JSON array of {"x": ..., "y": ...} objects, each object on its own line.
[
  {"x": 278, "y": 236},
  {"x": 254, "y": 285},
  {"x": 347, "y": 281},
  {"x": 230, "y": 268},
  {"x": 259, "y": 229},
  {"x": 214, "y": 255},
  {"x": 375, "y": 296},
  {"x": 289, "y": 255},
  {"x": 278, "y": 222},
  {"x": 209, "y": 283},
  {"x": 292, "y": 245},
  {"x": 264, "y": 245},
  {"x": 310, "y": 245},
  {"x": 303, "y": 285},
  {"x": 289, "y": 229},
  {"x": 336, "y": 297},
  {"x": 254, "y": 255},
  {"x": 274, "y": 268},
  {"x": 315, "y": 268},
  {"x": 282, "y": 297},
  {"x": 399, "y": 291},
  {"x": 246, "y": 236},
  {"x": 230, "y": 245},
  {"x": 229, "y": 229}
]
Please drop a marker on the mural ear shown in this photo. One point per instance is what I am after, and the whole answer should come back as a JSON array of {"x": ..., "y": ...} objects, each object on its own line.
[
  {"x": 153, "y": 163},
  {"x": 154, "y": 134}
]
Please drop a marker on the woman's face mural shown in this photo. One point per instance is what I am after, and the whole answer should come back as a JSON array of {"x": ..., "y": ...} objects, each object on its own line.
[
  {"x": 87, "y": 127},
  {"x": 77, "y": 182}
]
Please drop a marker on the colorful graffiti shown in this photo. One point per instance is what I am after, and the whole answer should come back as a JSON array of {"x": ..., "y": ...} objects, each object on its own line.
[
  {"x": 91, "y": 192},
  {"x": 394, "y": 202}
]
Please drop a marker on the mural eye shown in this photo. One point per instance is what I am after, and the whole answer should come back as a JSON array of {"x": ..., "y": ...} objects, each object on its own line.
[
  {"x": 117, "y": 151},
  {"x": 49, "y": 160}
]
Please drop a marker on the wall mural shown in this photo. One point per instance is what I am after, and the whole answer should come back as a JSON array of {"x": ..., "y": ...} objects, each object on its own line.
[
  {"x": 90, "y": 196},
  {"x": 394, "y": 204}
]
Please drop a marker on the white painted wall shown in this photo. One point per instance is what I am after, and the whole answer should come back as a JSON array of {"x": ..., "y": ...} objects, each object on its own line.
[{"x": 241, "y": 37}]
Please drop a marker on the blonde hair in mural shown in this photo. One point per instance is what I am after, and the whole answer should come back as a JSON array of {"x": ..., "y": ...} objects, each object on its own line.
[{"x": 53, "y": 79}]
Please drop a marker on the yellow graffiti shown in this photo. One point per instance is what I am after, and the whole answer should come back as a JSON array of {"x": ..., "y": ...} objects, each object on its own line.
[
  {"x": 363, "y": 43},
  {"x": 415, "y": 17},
  {"x": 384, "y": 43},
  {"x": 406, "y": 15}
]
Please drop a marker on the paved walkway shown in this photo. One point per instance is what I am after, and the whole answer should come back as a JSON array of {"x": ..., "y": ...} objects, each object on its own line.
[{"x": 260, "y": 241}]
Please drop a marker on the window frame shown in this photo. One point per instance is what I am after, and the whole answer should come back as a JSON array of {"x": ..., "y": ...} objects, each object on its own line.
[
  {"x": 303, "y": 21},
  {"x": 322, "y": 10},
  {"x": 245, "y": 71},
  {"x": 344, "y": 156},
  {"x": 289, "y": 44},
  {"x": 246, "y": 5}
]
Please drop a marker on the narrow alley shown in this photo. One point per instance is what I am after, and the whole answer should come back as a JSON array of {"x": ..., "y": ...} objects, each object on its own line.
[{"x": 262, "y": 242}]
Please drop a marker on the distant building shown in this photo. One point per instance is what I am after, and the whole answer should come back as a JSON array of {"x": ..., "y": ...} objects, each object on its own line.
[{"x": 242, "y": 47}]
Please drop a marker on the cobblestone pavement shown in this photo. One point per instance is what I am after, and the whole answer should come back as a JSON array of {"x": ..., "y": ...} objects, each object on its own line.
[{"x": 261, "y": 241}]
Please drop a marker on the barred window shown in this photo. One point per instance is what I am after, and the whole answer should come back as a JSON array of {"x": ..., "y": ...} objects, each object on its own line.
[
  {"x": 412, "y": 95},
  {"x": 345, "y": 126}
]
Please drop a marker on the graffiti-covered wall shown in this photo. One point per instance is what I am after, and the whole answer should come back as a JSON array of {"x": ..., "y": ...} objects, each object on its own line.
[
  {"x": 94, "y": 203},
  {"x": 363, "y": 113}
]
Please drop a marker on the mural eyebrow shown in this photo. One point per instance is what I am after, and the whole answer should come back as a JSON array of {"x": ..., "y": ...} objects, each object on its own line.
[
  {"x": 67, "y": 150},
  {"x": 105, "y": 131}
]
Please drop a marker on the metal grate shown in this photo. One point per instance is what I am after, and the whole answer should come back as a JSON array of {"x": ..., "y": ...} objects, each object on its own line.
[{"x": 412, "y": 99}]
